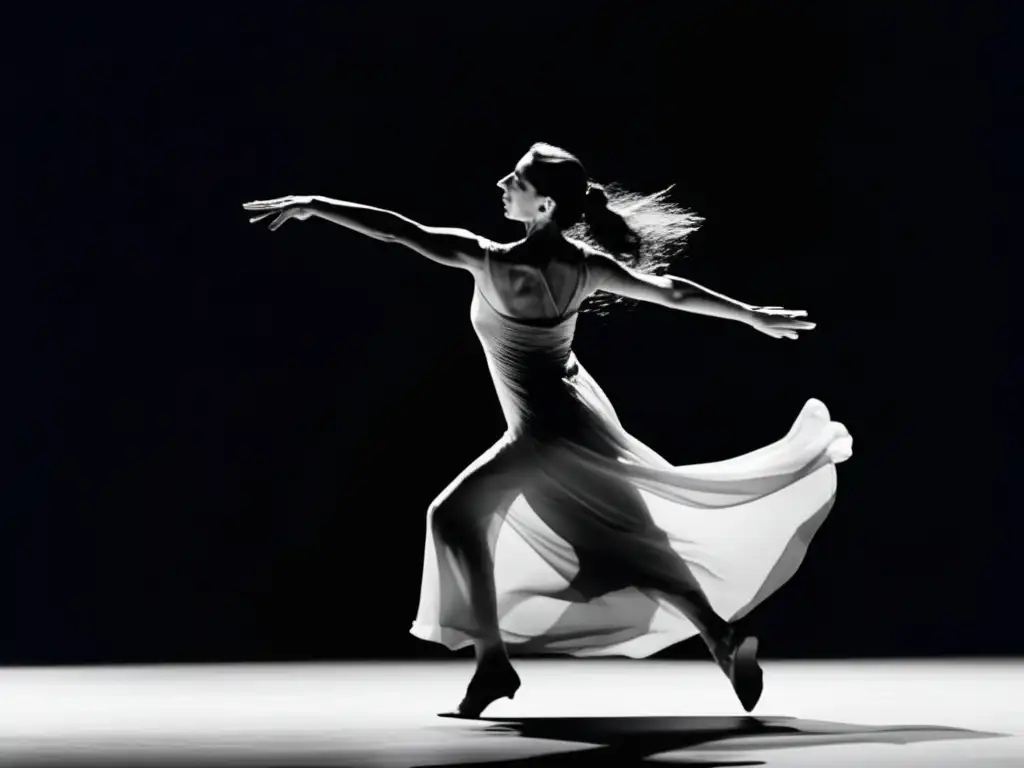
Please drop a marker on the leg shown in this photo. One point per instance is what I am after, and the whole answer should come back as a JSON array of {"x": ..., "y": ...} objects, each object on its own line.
[
  {"x": 465, "y": 519},
  {"x": 736, "y": 656},
  {"x": 664, "y": 571},
  {"x": 651, "y": 563},
  {"x": 611, "y": 520}
]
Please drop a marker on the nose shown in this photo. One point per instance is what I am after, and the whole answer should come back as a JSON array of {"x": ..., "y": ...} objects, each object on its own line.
[{"x": 503, "y": 182}]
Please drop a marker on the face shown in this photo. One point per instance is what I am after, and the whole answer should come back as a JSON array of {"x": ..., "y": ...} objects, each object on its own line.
[{"x": 522, "y": 201}]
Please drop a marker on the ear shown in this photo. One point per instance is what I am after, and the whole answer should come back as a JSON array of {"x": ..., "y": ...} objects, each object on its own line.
[{"x": 546, "y": 205}]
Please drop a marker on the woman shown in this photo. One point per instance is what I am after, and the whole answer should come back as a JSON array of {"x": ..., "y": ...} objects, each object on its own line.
[{"x": 604, "y": 548}]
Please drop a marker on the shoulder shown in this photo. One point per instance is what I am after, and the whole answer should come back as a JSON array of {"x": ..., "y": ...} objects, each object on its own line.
[
  {"x": 607, "y": 273},
  {"x": 589, "y": 253},
  {"x": 599, "y": 268},
  {"x": 600, "y": 265},
  {"x": 451, "y": 246},
  {"x": 494, "y": 249}
]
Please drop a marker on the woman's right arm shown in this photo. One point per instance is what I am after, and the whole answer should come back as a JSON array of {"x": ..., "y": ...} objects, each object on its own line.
[{"x": 452, "y": 247}]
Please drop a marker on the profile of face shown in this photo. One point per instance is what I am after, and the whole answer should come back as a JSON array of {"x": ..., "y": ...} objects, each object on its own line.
[{"x": 522, "y": 200}]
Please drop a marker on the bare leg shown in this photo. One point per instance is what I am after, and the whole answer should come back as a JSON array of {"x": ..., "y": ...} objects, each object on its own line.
[
  {"x": 714, "y": 630},
  {"x": 651, "y": 563},
  {"x": 466, "y": 518},
  {"x": 736, "y": 656},
  {"x": 661, "y": 570},
  {"x": 467, "y": 540},
  {"x": 632, "y": 546}
]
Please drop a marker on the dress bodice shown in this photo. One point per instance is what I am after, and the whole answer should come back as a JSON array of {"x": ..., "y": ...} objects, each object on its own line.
[{"x": 529, "y": 359}]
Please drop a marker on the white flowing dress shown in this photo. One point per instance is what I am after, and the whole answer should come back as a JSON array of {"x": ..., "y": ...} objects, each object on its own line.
[{"x": 602, "y": 506}]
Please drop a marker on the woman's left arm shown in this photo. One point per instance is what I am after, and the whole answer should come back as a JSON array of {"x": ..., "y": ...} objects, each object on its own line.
[{"x": 679, "y": 293}]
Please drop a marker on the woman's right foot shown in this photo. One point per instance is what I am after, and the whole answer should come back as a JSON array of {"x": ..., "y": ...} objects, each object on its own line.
[
  {"x": 489, "y": 683},
  {"x": 738, "y": 659}
]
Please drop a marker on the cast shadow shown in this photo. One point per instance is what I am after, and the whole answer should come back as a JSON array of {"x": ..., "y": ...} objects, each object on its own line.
[{"x": 631, "y": 741}]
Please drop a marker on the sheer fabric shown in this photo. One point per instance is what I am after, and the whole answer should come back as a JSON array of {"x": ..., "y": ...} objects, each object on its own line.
[{"x": 595, "y": 512}]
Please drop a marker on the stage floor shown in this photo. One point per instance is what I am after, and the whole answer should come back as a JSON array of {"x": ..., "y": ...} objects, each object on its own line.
[{"x": 608, "y": 712}]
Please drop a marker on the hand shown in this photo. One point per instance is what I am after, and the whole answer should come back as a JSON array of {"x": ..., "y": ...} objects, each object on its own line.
[
  {"x": 296, "y": 207},
  {"x": 777, "y": 322}
]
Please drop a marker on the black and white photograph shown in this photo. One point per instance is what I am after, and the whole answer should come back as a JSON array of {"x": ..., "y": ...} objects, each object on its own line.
[{"x": 518, "y": 384}]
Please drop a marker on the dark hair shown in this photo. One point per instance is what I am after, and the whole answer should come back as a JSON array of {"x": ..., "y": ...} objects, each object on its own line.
[{"x": 642, "y": 231}]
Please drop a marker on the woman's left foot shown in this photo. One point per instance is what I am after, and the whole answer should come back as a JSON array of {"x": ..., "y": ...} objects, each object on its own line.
[
  {"x": 490, "y": 683},
  {"x": 739, "y": 662}
]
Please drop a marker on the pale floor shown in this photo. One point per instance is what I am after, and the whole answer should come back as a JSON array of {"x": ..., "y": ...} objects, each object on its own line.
[{"x": 609, "y": 713}]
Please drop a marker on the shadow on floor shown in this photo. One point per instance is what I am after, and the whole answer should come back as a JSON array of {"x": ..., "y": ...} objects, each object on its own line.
[
  {"x": 631, "y": 741},
  {"x": 615, "y": 742}
]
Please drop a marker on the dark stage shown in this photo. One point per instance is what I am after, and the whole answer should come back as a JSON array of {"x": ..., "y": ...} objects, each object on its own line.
[
  {"x": 617, "y": 713},
  {"x": 226, "y": 439}
]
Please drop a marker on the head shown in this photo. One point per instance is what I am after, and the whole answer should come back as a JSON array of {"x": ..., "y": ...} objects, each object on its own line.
[{"x": 548, "y": 184}]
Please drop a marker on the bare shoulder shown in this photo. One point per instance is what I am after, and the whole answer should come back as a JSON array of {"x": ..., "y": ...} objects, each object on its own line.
[
  {"x": 601, "y": 266},
  {"x": 606, "y": 273},
  {"x": 450, "y": 246},
  {"x": 502, "y": 251}
]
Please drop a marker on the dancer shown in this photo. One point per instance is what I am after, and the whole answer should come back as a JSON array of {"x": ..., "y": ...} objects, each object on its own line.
[{"x": 569, "y": 535}]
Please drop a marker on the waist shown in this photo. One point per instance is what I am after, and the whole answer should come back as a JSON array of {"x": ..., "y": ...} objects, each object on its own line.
[{"x": 534, "y": 366}]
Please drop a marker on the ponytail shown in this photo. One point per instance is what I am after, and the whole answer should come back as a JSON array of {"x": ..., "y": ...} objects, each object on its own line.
[
  {"x": 644, "y": 232},
  {"x": 609, "y": 228}
]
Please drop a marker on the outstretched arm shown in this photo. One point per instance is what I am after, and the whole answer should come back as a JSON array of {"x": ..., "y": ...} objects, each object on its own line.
[
  {"x": 449, "y": 246},
  {"x": 678, "y": 293}
]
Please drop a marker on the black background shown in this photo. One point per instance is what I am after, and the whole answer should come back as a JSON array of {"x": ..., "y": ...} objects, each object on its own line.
[{"x": 225, "y": 440}]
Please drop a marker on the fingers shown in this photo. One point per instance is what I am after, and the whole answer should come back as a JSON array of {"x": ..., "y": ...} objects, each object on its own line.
[
  {"x": 781, "y": 333},
  {"x": 281, "y": 219},
  {"x": 781, "y": 323},
  {"x": 265, "y": 205},
  {"x": 791, "y": 328},
  {"x": 786, "y": 323},
  {"x": 261, "y": 217}
]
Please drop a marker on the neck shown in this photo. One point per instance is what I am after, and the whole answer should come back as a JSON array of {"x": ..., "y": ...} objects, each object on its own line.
[{"x": 542, "y": 228}]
